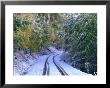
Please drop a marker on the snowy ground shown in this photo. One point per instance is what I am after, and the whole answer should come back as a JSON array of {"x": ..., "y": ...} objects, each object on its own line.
[
  {"x": 45, "y": 65},
  {"x": 37, "y": 69},
  {"x": 69, "y": 69}
]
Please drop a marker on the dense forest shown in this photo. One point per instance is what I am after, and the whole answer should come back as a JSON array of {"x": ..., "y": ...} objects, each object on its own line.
[{"x": 74, "y": 33}]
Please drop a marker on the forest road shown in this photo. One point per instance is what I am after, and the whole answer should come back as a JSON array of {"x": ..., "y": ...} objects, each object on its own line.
[{"x": 51, "y": 67}]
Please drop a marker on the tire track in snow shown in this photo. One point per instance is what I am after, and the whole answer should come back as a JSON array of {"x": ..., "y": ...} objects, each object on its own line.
[
  {"x": 61, "y": 70},
  {"x": 46, "y": 67}
]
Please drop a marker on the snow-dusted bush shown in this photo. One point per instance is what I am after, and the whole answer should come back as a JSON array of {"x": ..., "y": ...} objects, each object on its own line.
[{"x": 22, "y": 62}]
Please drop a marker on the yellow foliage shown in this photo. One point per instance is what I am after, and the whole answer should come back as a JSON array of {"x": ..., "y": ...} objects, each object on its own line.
[
  {"x": 53, "y": 36},
  {"x": 25, "y": 34}
]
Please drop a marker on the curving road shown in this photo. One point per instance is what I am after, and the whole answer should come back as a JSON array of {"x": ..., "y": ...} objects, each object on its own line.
[{"x": 51, "y": 65}]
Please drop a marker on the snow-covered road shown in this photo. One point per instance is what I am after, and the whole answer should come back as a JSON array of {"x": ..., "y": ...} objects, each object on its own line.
[
  {"x": 52, "y": 65},
  {"x": 37, "y": 68}
]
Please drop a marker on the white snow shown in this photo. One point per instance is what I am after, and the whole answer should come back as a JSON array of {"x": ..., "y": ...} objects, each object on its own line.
[
  {"x": 53, "y": 69},
  {"x": 54, "y": 50},
  {"x": 68, "y": 68},
  {"x": 36, "y": 67}
]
